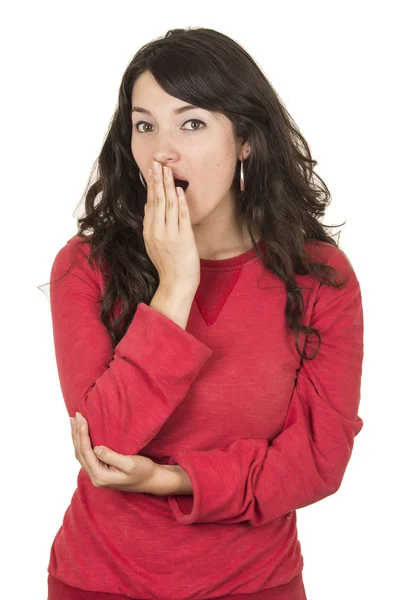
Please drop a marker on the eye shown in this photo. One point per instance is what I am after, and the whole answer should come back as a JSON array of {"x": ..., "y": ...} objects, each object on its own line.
[
  {"x": 195, "y": 121},
  {"x": 189, "y": 121}
]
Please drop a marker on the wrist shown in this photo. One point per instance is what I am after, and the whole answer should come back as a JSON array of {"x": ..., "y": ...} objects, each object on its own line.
[
  {"x": 175, "y": 481},
  {"x": 178, "y": 290}
]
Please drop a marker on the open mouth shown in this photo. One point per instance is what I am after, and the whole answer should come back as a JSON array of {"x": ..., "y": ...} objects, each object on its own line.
[{"x": 181, "y": 183}]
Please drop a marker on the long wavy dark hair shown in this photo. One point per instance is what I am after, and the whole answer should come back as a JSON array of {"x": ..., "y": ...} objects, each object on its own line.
[{"x": 283, "y": 197}]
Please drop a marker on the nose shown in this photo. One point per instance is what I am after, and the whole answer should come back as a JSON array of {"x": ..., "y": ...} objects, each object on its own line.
[{"x": 165, "y": 150}]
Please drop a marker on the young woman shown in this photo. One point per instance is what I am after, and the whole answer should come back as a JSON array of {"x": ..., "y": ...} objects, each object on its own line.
[{"x": 211, "y": 340}]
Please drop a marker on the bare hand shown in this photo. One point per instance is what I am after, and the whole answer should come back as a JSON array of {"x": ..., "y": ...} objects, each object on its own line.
[
  {"x": 168, "y": 233},
  {"x": 128, "y": 473}
]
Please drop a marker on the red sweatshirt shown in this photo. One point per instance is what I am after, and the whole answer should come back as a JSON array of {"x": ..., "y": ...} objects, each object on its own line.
[{"x": 260, "y": 432}]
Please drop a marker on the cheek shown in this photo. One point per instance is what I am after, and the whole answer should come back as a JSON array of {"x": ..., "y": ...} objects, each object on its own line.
[
  {"x": 221, "y": 173},
  {"x": 139, "y": 157}
]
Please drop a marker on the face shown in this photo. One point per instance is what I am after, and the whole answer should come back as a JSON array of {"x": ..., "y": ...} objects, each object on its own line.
[{"x": 197, "y": 144}]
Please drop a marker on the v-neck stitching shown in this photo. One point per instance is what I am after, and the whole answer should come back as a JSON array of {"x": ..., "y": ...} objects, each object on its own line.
[
  {"x": 218, "y": 279},
  {"x": 210, "y": 313}
]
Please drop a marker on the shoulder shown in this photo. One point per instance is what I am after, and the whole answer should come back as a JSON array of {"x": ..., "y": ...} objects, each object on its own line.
[
  {"x": 73, "y": 256},
  {"x": 75, "y": 246},
  {"x": 329, "y": 295},
  {"x": 333, "y": 256}
]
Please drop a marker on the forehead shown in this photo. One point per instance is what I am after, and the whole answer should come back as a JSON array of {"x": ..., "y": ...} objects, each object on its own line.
[{"x": 147, "y": 94}]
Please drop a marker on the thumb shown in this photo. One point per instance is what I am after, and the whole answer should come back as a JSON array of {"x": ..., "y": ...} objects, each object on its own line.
[{"x": 120, "y": 461}]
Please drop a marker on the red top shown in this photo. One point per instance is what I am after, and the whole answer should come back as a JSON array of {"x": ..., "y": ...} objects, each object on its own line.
[{"x": 260, "y": 432}]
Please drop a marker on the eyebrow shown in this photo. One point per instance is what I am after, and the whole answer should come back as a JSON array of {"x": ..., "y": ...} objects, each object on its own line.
[{"x": 177, "y": 111}]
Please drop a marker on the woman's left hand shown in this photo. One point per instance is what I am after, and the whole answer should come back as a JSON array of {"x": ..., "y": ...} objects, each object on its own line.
[{"x": 128, "y": 473}]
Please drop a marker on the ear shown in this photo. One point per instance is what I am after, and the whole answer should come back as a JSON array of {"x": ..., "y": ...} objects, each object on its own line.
[{"x": 244, "y": 152}]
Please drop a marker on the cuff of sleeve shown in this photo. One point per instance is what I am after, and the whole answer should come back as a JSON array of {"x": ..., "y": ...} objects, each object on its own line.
[
  {"x": 182, "y": 505},
  {"x": 219, "y": 482}
]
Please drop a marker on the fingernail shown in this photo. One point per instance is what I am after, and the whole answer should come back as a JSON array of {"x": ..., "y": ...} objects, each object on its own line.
[
  {"x": 78, "y": 417},
  {"x": 156, "y": 166},
  {"x": 166, "y": 171}
]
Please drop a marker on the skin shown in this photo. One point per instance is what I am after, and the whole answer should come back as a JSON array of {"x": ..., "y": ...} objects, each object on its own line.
[
  {"x": 128, "y": 473},
  {"x": 205, "y": 155}
]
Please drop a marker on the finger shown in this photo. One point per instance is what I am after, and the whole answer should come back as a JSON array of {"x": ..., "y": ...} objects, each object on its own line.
[
  {"x": 100, "y": 473},
  {"x": 171, "y": 203},
  {"x": 133, "y": 473},
  {"x": 78, "y": 448},
  {"x": 123, "y": 464},
  {"x": 158, "y": 219},
  {"x": 184, "y": 221},
  {"x": 86, "y": 450},
  {"x": 149, "y": 206}
]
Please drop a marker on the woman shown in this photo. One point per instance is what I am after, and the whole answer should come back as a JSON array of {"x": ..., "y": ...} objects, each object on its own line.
[{"x": 212, "y": 340}]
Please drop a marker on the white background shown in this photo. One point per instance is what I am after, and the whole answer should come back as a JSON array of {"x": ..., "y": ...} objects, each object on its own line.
[{"x": 62, "y": 62}]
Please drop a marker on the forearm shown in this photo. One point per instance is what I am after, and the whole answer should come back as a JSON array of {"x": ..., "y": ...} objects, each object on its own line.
[{"x": 173, "y": 481}]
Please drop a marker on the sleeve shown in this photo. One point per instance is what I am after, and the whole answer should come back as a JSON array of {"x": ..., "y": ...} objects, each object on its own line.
[
  {"x": 128, "y": 392},
  {"x": 256, "y": 480}
]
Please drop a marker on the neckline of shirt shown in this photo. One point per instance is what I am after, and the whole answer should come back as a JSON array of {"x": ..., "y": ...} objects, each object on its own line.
[{"x": 235, "y": 261}]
